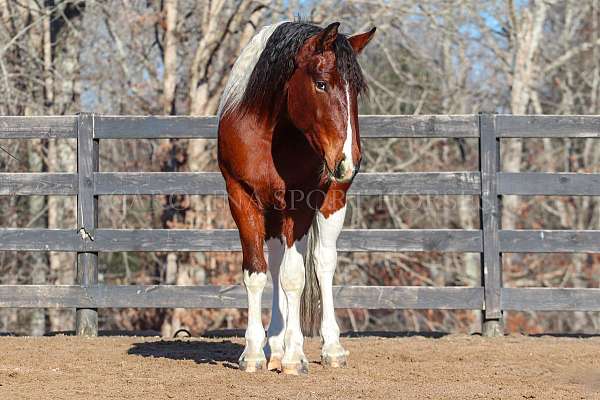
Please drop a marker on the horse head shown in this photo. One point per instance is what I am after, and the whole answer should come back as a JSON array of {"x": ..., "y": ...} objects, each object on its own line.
[{"x": 322, "y": 98}]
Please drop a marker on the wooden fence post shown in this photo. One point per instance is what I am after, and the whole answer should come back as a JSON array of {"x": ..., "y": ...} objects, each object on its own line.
[
  {"x": 491, "y": 259},
  {"x": 86, "y": 319}
]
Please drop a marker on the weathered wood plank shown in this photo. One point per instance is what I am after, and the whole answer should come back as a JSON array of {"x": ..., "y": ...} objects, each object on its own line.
[
  {"x": 549, "y": 241},
  {"x": 155, "y": 127},
  {"x": 231, "y": 296},
  {"x": 166, "y": 240},
  {"x": 86, "y": 319},
  {"x": 545, "y": 183},
  {"x": 551, "y": 299},
  {"x": 422, "y": 183},
  {"x": 551, "y": 126},
  {"x": 211, "y": 183},
  {"x": 38, "y": 184},
  {"x": 119, "y": 183},
  {"x": 394, "y": 240},
  {"x": 490, "y": 219},
  {"x": 373, "y": 126},
  {"x": 418, "y": 126},
  {"x": 37, "y": 127},
  {"x": 353, "y": 240},
  {"x": 40, "y": 239}
]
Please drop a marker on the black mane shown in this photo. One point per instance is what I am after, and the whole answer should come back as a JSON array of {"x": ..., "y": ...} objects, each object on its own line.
[{"x": 276, "y": 65}]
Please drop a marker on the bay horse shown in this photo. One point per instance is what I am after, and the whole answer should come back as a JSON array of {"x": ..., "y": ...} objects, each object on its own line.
[{"x": 289, "y": 148}]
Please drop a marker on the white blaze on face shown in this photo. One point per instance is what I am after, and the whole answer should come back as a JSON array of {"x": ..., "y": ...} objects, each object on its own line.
[{"x": 348, "y": 164}]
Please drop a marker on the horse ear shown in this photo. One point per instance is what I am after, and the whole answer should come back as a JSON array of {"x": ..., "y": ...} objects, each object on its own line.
[
  {"x": 360, "y": 40},
  {"x": 327, "y": 37}
]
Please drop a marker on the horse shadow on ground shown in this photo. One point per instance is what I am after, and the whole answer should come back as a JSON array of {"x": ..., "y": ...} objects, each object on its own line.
[{"x": 224, "y": 352}]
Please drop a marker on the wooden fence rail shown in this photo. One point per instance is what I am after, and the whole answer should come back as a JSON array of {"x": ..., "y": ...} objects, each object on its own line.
[{"x": 489, "y": 183}]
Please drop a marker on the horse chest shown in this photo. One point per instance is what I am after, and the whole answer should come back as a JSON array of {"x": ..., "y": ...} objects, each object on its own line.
[{"x": 290, "y": 193}]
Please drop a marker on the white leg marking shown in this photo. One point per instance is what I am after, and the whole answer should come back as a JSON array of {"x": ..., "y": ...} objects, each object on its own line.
[
  {"x": 253, "y": 357},
  {"x": 292, "y": 282},
  {"x": 276, "y": 332},
  {"x": 326, "y": 231}
]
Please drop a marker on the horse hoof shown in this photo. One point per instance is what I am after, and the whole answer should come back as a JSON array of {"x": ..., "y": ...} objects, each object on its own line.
[
  {"x": 252, "y": 365},
  {"x": 299, "y": 368},
  {"x": 334, "y": 361},
  {"x": 274, "y": 364}
]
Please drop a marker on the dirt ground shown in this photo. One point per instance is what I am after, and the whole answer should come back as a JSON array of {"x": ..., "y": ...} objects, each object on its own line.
[{"x": 404, "y": 367}]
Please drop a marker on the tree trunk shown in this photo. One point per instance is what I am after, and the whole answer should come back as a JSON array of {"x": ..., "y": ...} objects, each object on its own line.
[
  {"x": 37, "y": 214},
  {"x": 527, "y": 37},
  {"x": 37, "y": 204},
  {"x": 170, "y": 57},
  {"x": 170, "y": 323},
  {"x": 61, "y": 58}
]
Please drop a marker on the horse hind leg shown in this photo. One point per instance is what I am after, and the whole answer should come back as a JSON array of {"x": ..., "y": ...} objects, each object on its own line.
[
  {"x": 276, "y": 332},
  {"x": 323, "y": 253},
  {"x": 292, "y": 282}
]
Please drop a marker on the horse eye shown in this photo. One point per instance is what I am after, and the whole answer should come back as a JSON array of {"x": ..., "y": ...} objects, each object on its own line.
[{"x": 321, "y": 85}]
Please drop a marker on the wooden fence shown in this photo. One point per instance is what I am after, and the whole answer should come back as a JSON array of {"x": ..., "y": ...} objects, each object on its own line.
[{"x": 490, "y": 183}]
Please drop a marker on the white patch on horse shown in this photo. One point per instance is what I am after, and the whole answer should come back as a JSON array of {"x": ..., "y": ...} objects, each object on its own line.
[
  {"x": 243, "y": 67},
  {"x": 348, "y": 163},
  {"x": 323, "y": 250},
  {"x": 255, "y": 333},
  {"x": 292, "y": 279}
]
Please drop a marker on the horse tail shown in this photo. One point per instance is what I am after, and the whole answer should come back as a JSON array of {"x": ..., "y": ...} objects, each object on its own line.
[{"x": 310, "y": 302}]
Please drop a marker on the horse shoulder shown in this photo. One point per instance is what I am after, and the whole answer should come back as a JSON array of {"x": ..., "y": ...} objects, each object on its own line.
[{"x": 244, "y": 152}]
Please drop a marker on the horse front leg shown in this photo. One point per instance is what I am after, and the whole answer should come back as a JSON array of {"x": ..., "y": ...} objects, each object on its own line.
[
  {"x": 250, "y": 222},
  {"x": 253, "y": 358},
  {"x": 325, "y": 231}
]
